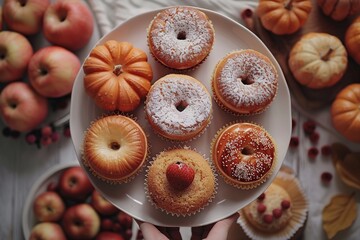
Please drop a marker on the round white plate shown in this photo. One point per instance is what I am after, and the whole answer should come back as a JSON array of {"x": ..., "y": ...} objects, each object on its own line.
[
  {"x": 130, "y": 197},
  {"x": 52, "y": 175}
]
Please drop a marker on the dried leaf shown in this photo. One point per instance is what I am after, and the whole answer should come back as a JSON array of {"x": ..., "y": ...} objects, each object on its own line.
[
  {"x": 339, "y": 214},
  {"x": 339, "y": 151},
  {"x": 346, "y": 177}
]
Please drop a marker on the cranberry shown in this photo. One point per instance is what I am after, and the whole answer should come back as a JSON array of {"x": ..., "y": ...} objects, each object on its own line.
[
  {"x": 326, "y": 177},
  {"x": 268, "y": 218},
  {"x": 55, "y": 136},
  {"x": 314, "y": 137},
  {"x": 277, "y": 212},
  {"x": 285, "y": 204},
  {"x": 30, "y": 138},
  {"x": 261, "y": 208},
  {"x": 313, "y": 152},
  {"x": 261, "y": 197},
  {"x": 294, "y": 142},
  {"x": 309, "y": 127}
]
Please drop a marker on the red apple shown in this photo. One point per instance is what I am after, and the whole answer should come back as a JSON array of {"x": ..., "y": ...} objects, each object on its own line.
[
  {"x": 68, "y": 23},
  {"x": 124, "y": 219},
  {"x": 81, "y": 222},
  {"x": 109, "y": 236},
  {"x": 25, "y": 16},
  {"x": 48, "y": 207},
  {"x": 102, "y": 205},
  {"x": 74, "y": 184},
  {"x": 47, "y": 231},
  {"x": 21, "y": 108},
  {"x": 52, "y": 71},
  {"x": 15, "y": 54}
]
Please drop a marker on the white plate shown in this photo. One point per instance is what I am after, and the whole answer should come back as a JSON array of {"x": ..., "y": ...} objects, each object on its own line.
[
  {"x": 52, "y": 175},
  {"x": 130, "y": 197}
]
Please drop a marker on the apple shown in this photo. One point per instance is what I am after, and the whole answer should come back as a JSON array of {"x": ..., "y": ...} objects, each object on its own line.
[
  {"x": 48, "y": 207},
  {"x": 47, "y": 231},
  {"x": 81, "y": 222},
  {"x": 52, "y": 71},
  {"x": 15, "y": 54},
  {"x": 109, "y": 236},
  {"x": 25, "y": 16},
  {"x": 74, "y": 184},
  {"x": 21, "y": 108},
  {"x": 68, "y": 23},
  {"x": 102, "y": 205},
  {"x": 124, "y": 219}
]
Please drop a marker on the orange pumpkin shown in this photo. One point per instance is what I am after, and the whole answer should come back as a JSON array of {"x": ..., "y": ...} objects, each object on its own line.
[
  {"x": 117, "y": 76},
  {"x": 339, "y": 9},
  {"x": 352, "y": 39},
  {"x": 283, "y": 16},
  {"x": 345, "y": 112}
]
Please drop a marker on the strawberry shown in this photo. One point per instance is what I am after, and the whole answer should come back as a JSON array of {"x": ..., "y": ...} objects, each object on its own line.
[{"x": 179, "y": 175}]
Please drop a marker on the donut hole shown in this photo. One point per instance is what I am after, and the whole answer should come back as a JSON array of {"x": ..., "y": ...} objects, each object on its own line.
[
  {"x": 181, "y": 106},
  {"x": 245, "y": 80},
  {"x": 247, "y": 150},
  {"x": 181, "y": 35},
  {"x": 115, "y": 146}
]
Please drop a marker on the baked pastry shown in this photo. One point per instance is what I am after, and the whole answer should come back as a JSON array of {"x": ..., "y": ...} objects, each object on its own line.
[
  {"x": 318, "y": 60},
  {"x": 180, "y": 37},
  {"x": 244, "y": 154},
  {"x": 115, "y": 148},
  {"x": 244, "y": 82},
  {"x": 117, "y": 76},
  {"x": 278, "y": 213},
  {"x": 178, "y": 107},
  {"x": 180, "y": 182}
]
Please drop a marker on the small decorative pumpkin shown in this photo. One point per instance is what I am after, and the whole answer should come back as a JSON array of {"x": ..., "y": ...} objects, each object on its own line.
[
  {"x": 117, "y": 76},
  {"x": 345, "y": 112},
  {"x": 352, "y": 40},
  {"x": 318, "y": 60},
  {"x": 338, "y": 10},
  {"x": 283, "y": 16}
]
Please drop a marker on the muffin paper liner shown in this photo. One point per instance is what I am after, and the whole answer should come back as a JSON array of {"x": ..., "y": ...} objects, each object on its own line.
[{"x": 299, "y": 210}]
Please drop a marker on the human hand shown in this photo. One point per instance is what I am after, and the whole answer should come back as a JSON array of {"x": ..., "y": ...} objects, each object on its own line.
[{"x": 215, "y": 231}]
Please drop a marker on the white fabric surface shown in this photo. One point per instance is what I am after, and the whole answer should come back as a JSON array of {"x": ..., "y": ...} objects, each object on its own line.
[{"x": 110, "y": 13}]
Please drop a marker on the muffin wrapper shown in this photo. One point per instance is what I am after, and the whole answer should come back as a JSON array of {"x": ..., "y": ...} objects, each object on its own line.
[
  {"x": 244, "y": 185},
  {"x": 225, "y": 108},
  {"x": 124, "y": 180},
  {"x": 299, "y": 210},
  {"x": 175, "y": 70},
  {"x": 164, "y": 210}
]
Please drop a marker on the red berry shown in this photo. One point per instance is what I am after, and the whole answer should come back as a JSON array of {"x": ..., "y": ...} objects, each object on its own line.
[
  {"x": 277, "y": 212},
  {"x": 314, "y": 137},
  {"x": 268, "y": 218},
  {"x": 326, "y": 150},
  {"x": 67, "y": 131},
  {"x": 30, "y": 138},
  {"x": 55, "y": 136},
  {"x": 46, "y": 131},
  {"x": 294, "y": 142},
  {"x": 313, "y": 152},
  {"x": 309, "y": 127},
  {"x": 52, "y": 187},
  {"x": 139, "y": 235},
  {"x": 106, "y": 224},
  {"x": 125, "y": 220},
  {"x": 326, "y": 177},
  {"x": 128, "y": 233},
  {"x": 261, "y": 197},
  {"x": 285, "y": 204},
  {"x": 179, "y": 175},
  {"x": 261, "y": 208},
  {"x": 45, "y": 141}
]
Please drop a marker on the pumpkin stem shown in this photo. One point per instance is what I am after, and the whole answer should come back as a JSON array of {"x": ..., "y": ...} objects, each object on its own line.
[
  {"x": 117, "y": 70},
  {"x": 288, "y": 4},
  {"x": 327, "y": 55}
]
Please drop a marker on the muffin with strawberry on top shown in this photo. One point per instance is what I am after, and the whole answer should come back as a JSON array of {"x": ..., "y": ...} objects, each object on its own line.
[{"x": 180, "y": 182}]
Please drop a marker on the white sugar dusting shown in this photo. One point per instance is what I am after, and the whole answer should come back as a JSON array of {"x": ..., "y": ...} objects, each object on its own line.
[
  {"x": 254, "y": 69},
  {"x": 164, "y": 97},
  {"x": 165, "y": 30},
  {"x": 252, "y": 166}
]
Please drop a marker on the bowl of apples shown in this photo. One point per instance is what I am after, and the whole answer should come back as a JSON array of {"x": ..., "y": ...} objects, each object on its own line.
[{"x": 63, "y": 204}]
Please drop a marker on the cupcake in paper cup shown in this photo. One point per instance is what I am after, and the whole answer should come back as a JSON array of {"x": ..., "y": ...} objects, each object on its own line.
[
  {"x": 180, "y": 181},
  {"x": 244, "y": 154},
  {"x": 279, "y": 213}
]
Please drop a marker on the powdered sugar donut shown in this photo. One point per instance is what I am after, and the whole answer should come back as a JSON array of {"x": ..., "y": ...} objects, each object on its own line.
[
  {"x": 180, "y": 37},
  {"x": 245, "y": 82},
  {"x": 178, "y": 107}
]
